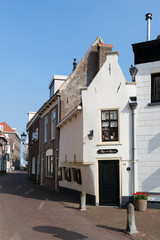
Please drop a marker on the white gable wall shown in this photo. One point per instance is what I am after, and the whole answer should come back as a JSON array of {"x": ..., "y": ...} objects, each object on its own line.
[{"x": 109, "y": 91}]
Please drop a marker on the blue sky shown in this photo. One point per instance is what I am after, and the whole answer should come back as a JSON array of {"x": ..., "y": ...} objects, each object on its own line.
[{"x": 40, "y": 38}]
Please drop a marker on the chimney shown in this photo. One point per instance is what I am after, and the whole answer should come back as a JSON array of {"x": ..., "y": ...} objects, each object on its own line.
[
  {"x": 148, "y": 19},
  {"x": 103, "y": 50},
  {"x": 74, "y": 64}
]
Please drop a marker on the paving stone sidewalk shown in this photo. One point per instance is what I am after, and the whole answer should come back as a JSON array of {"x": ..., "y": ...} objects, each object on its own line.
[{"x": 29, "y": 211}]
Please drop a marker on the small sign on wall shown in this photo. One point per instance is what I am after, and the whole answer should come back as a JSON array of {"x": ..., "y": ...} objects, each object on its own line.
[{"x": 107, "y": 151}]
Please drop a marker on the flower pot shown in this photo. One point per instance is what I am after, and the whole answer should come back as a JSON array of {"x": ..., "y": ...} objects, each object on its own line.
[{"x": 140, "y": 204}]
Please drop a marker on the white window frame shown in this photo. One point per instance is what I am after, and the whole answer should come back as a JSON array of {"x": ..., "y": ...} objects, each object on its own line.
[
  {"x": 49, "y": 166},
  {"x": 53, "y": 124},
  {"x": 118, "y": 122},
  {"x": 45, "y": 128}
]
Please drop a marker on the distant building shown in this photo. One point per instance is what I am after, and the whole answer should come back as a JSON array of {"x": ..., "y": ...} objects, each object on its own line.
[
  {"x": 14, "y": 145},
  {"x": 3, "y": 152}
]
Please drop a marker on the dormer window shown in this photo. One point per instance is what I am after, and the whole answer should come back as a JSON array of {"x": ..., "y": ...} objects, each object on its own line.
[{"x": 155, "y": 88}]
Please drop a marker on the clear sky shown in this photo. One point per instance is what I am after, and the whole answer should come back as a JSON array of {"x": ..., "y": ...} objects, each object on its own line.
[{"x": 40, "y": 38}]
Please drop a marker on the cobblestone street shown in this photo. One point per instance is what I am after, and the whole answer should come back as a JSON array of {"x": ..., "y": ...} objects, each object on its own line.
[{"x": 30, "y": 212}]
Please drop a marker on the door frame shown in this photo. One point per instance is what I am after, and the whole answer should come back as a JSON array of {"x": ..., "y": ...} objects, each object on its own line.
[{"x": 97, "y": 178}]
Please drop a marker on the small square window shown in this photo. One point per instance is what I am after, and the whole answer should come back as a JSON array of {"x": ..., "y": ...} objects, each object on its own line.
[{"x": 155, "y": 87}]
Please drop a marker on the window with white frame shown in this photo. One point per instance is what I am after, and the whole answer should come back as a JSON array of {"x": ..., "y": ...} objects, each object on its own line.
[
  {"x": 45, "y": 128},
  {"x": 53, "y": 124},
  {"x": 109, "y": 125},
  {"x": 33, "y": 165},
  {"x": 49, "y": 166}
]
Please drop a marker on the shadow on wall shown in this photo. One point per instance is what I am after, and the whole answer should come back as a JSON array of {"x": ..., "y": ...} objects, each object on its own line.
[
  {"x": 60, "y": 233},
  {"x": 152, "y": 182},
  {"x": 92, "y": 68},
  {"x": 154, "y": 143}
]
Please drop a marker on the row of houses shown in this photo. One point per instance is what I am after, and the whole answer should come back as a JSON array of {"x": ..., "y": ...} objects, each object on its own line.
[
  {"x": 98, "y": 132},
  {"x": 10, "y": 148}
]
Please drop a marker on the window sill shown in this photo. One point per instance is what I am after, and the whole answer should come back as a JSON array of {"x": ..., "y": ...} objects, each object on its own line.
[
  {"x": 53, "y": 138},
  {"x": 109, "y": 143},
  {"x": 154, "y": 104}
]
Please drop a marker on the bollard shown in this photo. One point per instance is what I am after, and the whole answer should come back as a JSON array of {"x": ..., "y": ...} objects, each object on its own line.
[
  {"x": 131, "y": 226},
  {"x": 83, "y": 201}
]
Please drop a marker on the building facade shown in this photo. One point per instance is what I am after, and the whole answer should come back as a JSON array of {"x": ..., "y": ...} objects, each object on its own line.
[
  {"x": 147, "y": 61},
  {"x": 44, "y": 138},
  {"x": 99, "y": 133},
  {"x": 13, "y": 147},
  {"x": 95, "y": 129},
  {"x": 3, "y": 153}
]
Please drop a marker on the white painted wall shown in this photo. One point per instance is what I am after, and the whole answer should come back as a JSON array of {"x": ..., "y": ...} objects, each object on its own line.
[
  {"x": 148, "y": 132},
  {"x": 71, "y": 139},
  {"x": 109, "y": 91}
]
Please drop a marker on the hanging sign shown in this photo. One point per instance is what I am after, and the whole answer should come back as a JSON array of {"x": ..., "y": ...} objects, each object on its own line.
[{"x": 107, "y": 151}]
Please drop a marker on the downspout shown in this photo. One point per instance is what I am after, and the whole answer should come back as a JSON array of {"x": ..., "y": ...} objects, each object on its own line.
[
  {"x": 58, "y": 109},
  {"x": 133, "y": 105},
  {"x": 40, "y": 162}
]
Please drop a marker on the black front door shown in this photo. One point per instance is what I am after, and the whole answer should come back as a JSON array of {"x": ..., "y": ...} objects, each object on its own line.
[{"x": 109, "y": 182}]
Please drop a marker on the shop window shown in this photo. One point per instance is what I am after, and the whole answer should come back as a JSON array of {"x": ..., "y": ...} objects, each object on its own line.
[
  {"x": 155, "y": 87},
  {"x": 68, "y": 174},
  {"x": 109, "y": 124}
]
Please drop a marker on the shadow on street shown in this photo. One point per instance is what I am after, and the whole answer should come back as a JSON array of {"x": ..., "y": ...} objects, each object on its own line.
[
  {"x": 17, "y": 183},
  {"x": 60, "y": 233}
]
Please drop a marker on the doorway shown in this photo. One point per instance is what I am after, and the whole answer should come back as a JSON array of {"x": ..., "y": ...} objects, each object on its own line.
[{"x": 109, "y": 182}]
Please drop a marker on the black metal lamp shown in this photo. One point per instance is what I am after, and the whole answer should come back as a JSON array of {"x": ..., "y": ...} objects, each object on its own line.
[
  {"x": 23, "y": 137},
  {"x": 133, "y": 71},
  {"x": 90, "y": 135},
  {"x": 133, "y": 103}
]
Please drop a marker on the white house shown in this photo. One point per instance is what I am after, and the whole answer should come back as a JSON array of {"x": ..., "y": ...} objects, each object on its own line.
[
  {"x": 95, "y": 151},
  {"x": 147, "y": 61}
]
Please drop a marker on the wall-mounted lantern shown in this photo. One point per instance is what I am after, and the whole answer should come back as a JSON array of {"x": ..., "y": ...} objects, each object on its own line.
[
  {"x": 23, "y": 138},
  {"x": 133, "y": 103},
  {"x": 90, "y": 135},
  {"x": 133, "y": 71}
]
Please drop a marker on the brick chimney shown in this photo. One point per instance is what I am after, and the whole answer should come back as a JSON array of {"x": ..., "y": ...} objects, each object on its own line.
[{"x": 103, "y": 50}]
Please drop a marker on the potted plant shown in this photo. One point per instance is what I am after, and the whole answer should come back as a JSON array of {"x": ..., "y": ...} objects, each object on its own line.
[{"x": 140, "y": 201}]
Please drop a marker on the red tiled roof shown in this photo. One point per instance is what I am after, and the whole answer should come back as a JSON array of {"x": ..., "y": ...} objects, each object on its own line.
[
  {"x": 7, "y": 128},
  {"x": 3, "y": 136}
]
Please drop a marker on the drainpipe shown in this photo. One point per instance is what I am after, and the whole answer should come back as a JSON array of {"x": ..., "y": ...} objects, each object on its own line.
[
  {"x": 58, "y": 109},
  {"x": 40, "y": 162},
  {"x": 133, "y": 105}
]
